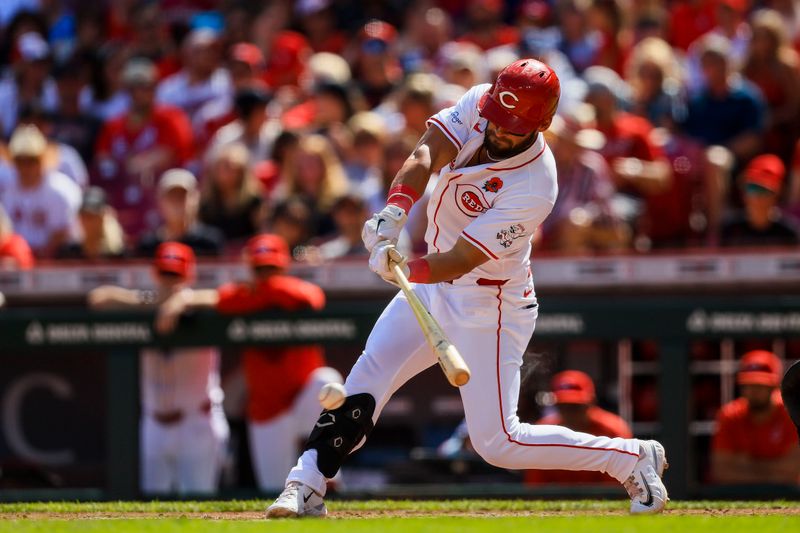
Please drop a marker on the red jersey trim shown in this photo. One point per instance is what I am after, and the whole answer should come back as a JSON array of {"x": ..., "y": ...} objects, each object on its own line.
[
  {"x": 500, "y": 396},
  {"x": 447, "y": 132},
  {"x": 479, "y": 244},
  {"x": 528, "y": 162},
  {"x": 435, "y": 213}
]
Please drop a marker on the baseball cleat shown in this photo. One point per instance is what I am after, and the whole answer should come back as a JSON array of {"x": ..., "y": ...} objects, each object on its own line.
[
  {"x": 297, "y": 500},
  {"x": 647, "y": 491}
]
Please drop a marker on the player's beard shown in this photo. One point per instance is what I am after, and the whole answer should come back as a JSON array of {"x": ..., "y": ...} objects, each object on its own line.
[{"x": 503, "y": 150}]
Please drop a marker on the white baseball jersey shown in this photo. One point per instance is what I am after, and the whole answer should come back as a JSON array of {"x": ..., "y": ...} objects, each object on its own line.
[
  {"x": 496, "y": 206},
  {"x": 182, "y": 379}
]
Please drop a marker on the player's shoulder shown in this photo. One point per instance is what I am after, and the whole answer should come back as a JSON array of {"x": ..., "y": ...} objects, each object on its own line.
[
  {"x": 534, "y": 176},
  {"x": 473, "y": 96}
]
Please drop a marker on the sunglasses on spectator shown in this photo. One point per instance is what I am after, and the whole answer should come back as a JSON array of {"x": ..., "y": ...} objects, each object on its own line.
[{"x": 757, "y": 190}]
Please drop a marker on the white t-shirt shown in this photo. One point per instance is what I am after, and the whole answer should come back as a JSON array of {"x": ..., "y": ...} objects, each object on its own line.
[
  {"x": 40, "y": 212},
  {"x": 496, "y": 206},
  {"x": 178, "y": 91},
  {"x": 179, "y": 380}
]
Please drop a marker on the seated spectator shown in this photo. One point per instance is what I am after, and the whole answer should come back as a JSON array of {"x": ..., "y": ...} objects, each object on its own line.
[
  {"x": 727, "y": 111},
  {"x": 183, "y": 428},
  {"x": 366, "y": 158},
  {"x": 100, "y": 235},
  {"x": 318, "y": 20},
  {"x": 762, "y": 223},
  {"x": 578, "y": 42},
  {"x": 42, "y": 204},
  {"x": 349, "y": 214},
  {"x": 583, "y": 218},
  {"x": 178, "y": 204},
  {"x": 655, "y": 77},
  {"x": 575, "y": 408},
  {"x": 755, "y": 440},
  {"x": 27, "y": 81},
  {"x": 283, "y": 382},
  {"x": 292, "y": 220},
  {"x": 107, "y": 97},
  {"x": 376, "y": 66},
  {"x": 202, "y": 78},
  {"x": 416, "y": 102},
  {"x": 486, "y": 27},
  {"x": 136, "y": 147},
  {"x": 231, "y": 199},
  {"x": 15, "y": 254},
  {"x": 251, "y": 128},
  {"x": 772, "y": 66},
  {"x": 606, "y": 17},
  {"x": 59, "y": 156},
  {"x": 70, "y": 124},
  {"x": 316, "y": 175}
]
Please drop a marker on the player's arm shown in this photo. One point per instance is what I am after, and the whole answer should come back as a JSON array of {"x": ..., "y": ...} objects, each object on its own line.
[
  {"x": 171, "y": 309},
  {"x": 433, "y": 151},
  {"x": 112, "y": 297}
]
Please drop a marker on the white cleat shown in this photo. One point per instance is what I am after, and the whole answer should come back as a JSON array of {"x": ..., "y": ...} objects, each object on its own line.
[
  {"x": 647, "y": 491},
  {"x": 297, "y": 500}
]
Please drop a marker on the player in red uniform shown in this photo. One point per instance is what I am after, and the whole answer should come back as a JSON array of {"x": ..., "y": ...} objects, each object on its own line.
[
  {"x": 575, "y": 397},
  {"x": 283, "y": 382},
  {"x": 756, "y": 441}
]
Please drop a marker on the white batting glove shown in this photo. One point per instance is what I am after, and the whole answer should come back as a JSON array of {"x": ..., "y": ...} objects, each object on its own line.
[
  {"x": 383, "y": 226},
  {"x": 380, "y": 262}
]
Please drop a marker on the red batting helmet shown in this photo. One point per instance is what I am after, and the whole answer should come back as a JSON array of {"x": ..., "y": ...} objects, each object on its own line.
[{"x": 524, "y": 97}]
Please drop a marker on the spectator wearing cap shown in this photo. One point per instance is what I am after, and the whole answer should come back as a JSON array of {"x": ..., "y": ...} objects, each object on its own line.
[
  {"x": 202, "y": 78},
  {"x": 486, "y": 27},
  {"x": 252, "y": 127},
  {"x": 377, "y": 67},
  {"x": 582, "y": 219},
  {"x": 178, "y": 205},
  {"x": 283, "y": 382},
  {"x": 348, "y": 213},
  {"x": 727, "y": 111},
  {"x": 762, "y": 222},
  {"x": 287, "y": 51},
  {"x": 416, "y": 102},
  {"x": 134, "y": 149},
  {"x": 100, "y": 236},
  {"x": 232, "y": 198},
  {"x": 15, "y": 254},
  {"x": 42, "y": 203},
  {"x": 317, "y": 19},
  {"x": 183, "y": 430},
  {"x": 28, "y": 81},
  {"x": 755, "y": 440},
  {"x": 574, "y": 396}
]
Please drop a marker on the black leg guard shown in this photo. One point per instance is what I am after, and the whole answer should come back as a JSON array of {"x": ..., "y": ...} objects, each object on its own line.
[
  {"x": 337, "y": 432},
  {"x": 790, "y": 390}
]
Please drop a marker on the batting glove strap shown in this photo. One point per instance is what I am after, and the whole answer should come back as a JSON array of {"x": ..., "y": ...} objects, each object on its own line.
[{"x": 403, "y": 197}]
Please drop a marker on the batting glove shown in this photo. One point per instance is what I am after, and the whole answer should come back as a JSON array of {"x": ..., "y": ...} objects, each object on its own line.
[
  {"x": 380, "y": 261},
  {"x": 384, "y": 226}
]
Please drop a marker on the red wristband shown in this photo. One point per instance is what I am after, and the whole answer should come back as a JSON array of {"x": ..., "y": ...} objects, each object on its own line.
[
  {"x": 419, "y": 271},
  {"x": 403, "y": 197}
]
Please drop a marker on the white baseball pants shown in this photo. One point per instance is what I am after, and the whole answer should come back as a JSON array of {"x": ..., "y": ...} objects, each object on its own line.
[
  {"x": 274, "y": 443},
  {"x": 185, "y": 457},
  {"x": 491, "y": 326}
]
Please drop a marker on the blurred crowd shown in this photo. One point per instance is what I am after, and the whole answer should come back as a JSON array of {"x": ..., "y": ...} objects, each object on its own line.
[{"x": 128, "y": 123}]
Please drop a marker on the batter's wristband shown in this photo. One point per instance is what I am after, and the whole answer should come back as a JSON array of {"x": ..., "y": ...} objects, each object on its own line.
[
  {"x": 403, "y": 197},
  {"x": 419, "y": 271}
]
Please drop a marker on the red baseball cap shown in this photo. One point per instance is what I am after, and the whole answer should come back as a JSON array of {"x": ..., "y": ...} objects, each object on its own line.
[
  {"x": 766, "y": 171},
  {"x": 759, "y": 367},
  {"x": 247, "y": 53},
  {"x": 268, "y": 250},
  {"x": 175, "y": 258},
  {"x": 379, "y": 31},
  {"x": 573, "y": 386}
]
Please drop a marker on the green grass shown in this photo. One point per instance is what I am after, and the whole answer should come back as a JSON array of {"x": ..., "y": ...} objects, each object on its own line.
[{"x": 537, "y": 516}]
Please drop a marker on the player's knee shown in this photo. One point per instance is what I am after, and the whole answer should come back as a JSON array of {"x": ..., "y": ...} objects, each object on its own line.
[{"x": 492, "y": 449}]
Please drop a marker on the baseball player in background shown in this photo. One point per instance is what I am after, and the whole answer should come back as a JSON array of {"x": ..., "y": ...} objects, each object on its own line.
[
  {"x": 183, "y": 430},
  {"x": 497, "y": 183},
  {"x": 283, "y": 382}
]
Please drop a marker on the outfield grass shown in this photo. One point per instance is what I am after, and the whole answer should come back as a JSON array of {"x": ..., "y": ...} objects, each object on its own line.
[{"x": 400, "y": 516}]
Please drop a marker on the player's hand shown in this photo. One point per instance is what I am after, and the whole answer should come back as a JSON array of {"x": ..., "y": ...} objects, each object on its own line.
[
  {"x": 380, "y": 261},
  {"x": 169, "y": 312},
  {"x": 383, "y": 226}
]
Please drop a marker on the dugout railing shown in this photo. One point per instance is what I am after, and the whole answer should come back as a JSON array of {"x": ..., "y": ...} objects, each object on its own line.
[{"x": 670, "y": 321}]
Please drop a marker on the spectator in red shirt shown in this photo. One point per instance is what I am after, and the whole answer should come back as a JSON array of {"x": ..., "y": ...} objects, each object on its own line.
[
  {"x": 689, "y": 19},
  {"x": 318, "y": 21},
  {"x": 283, "y": 382},
  {"x": 136, "y": 147},
  {"x": 486, "y": 28},
  {"x": 575, "y": 398},
  {"x": 755, "y": 440},
  {"x": 14, "y": 250}
]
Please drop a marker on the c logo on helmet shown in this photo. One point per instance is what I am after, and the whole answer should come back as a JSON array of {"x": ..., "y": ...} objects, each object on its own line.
[{"x": 503, "y": 99}]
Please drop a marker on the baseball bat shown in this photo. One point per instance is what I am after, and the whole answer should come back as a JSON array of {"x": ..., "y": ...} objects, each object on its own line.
[{"x": 451, "y": 362}]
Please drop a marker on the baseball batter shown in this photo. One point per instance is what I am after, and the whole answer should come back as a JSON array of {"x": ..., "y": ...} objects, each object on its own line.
[{"x": 497, "y": 183}]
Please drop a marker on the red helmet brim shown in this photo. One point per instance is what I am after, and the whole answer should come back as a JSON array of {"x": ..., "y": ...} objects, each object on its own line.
[{"x": 492, "y": 111}]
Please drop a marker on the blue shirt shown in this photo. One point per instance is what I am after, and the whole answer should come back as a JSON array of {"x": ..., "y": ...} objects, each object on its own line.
[{"x": 715, "y": 120}]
